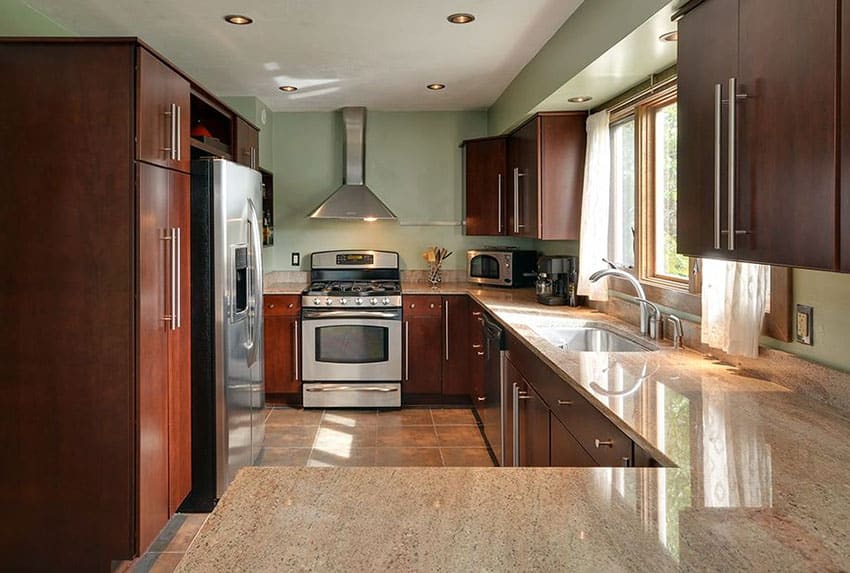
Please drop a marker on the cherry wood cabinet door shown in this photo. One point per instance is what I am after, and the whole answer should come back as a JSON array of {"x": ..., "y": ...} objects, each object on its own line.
[
  {"x": 708, "y": 57},
  {"x": 162, "y": 120},
  {"x": 180, "y": 347},
  {"x": 845, "y": 138},
  {"x": 523, "y": 186},
  {"x": 456, "y": 383},
  {"x": 563, "y": 143},
  {"x": 787, "y": 154},
  {"x": 422, "y": 359},
  {"x": 533, "y": 429},
  {"x": 486, "y": 171},
  {"x": 476, "y": 354},
  {"x": 565, "y": 451},
  {"x": 247, "y": 144},
  {"x": 154, "y": 251},
  {"x": 281, "y": 344}
]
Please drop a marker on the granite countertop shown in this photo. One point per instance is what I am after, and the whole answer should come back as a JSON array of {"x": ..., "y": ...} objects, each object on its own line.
[{"x": 756, "y": 479}]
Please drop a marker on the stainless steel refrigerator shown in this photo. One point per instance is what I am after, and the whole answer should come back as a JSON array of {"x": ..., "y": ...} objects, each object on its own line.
[{"x": 228, "y": 394}]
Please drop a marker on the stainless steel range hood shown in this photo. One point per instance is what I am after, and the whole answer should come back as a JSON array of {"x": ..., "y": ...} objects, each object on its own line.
[{"x": 354, "y": 200}]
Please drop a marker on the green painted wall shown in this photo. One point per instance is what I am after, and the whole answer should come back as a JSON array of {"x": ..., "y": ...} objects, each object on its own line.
[
  {"x": 19, "y": 19},
  {"x": 412, "y": 162},
  {"x": 593, "y": 28},
  {"x": 252, "y": 108}
]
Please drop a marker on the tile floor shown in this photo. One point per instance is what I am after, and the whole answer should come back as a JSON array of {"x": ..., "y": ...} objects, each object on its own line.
[
  {"x": 432, "y": 437},
  {"x": 172, "y": 542}
]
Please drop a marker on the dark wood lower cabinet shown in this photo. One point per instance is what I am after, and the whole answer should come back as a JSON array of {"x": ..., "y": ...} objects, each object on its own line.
[
  {"x": 476, "y": 353},
  {"x": 533, "y": 429},
  {"x": 456, "y": 382},
  {"x": 423, "y": 360},
  {"x": 565, "y": 451},
  {"x": 282, "y": 335}
]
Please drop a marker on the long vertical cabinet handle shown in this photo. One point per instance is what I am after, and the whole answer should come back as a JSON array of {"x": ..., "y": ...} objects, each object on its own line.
[
  {"x": 500, "y": 202},
  {"x": 178, "y": 281},
  {"x": 447, "y": 330},
  {"x": 295, "y": 326},
  {"x": 718, "y": 98},
  {"x": 178, "y": 152},
  {"x": 516, "y": 425},
  {"x": 172, "y": 132},
  {"x": 173, "y": 278},
  {"x": 516, "y": 200},
  {"x": 406, "y": 350},
  {"x": 733, "y": 101}
]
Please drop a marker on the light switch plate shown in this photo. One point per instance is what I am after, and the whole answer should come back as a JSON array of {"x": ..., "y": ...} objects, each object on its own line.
[
  {"x": 804, "y": 324},
  {"x": 296, "y": 259}
]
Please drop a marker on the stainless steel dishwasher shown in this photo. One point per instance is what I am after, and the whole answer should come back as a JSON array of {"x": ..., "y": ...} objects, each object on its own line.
[{"x": 493, "y": 411}]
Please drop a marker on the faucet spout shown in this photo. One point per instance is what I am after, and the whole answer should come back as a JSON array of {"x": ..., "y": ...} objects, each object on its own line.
[{"x": 641, "y": 295}]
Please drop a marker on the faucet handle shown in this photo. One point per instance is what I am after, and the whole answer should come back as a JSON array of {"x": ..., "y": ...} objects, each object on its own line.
[
  {"x": 678, "y": 333},
  {"x": 655, "y": 311}
]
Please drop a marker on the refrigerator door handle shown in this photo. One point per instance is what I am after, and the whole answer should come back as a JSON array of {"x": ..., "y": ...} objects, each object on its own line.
[{"x": 255, "y": 281}]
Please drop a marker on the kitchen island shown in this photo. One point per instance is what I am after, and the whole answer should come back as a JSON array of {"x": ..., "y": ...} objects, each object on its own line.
[{"x": 755, "y": 480}]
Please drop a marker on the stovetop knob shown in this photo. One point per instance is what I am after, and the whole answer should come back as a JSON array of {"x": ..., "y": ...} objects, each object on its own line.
[
  {"x": 358, "y": 301},
  {"x": 317, "y": 301},
  {"x": 329, "y": 302},
  {"x": 386, "y": 300},
  {"x": 343, "y": 301},
  {"x": 373, "y": 301}
]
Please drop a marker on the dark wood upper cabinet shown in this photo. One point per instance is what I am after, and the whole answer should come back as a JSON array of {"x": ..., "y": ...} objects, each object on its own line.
[
  {"x": 163, "y": 113},
  {"x": 485, "y": 186},
  {"x": 845, "y": 137},
  {"x": 456, "y": 382},
  {"x": 281, "y": 328},
  {"x": 247, "y": 144},
  {"x": 782, "y": 152},
  {"x": 546, "y": 176}
]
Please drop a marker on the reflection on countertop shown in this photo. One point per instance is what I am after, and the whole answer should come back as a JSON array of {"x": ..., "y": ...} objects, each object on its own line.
[{"x": 760, "y": 476}]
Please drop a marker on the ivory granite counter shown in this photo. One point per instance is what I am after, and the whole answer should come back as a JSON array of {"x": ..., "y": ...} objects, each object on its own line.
[{"x": 756, "y": 480}]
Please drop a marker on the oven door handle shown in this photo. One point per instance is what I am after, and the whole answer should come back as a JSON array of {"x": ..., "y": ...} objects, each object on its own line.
[
  {"x": 306, "y": 313},
  {"x": 350, "y": 389}
]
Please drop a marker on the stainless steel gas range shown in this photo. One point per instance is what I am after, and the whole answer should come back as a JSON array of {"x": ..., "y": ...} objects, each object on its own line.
[{"x": 352, "y": 331}]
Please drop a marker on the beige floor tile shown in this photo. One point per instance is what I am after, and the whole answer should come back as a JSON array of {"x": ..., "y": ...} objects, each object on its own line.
[
  {"x": 294, "y": 417},
  {"x": 351, "y": 417},
  {"x": 453, "y": 417},
  {"x": 340, "y": 457},
  {"x": 271, "y": 456},
  {"x": 406, "y": 457},
  {"x": 460, "y": 436},
  {"x": 283, "y": 436},
  {"x": 340, "y": 435},
  {"x": 466, "y": 457},
  {"x": 407, "y": 436},
  {"x": 157, "y": 563},
  {"x": 406, "y": 417}
]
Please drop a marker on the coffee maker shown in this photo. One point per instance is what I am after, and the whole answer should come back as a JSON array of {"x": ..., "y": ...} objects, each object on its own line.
[{"x": 557, "y": 278}]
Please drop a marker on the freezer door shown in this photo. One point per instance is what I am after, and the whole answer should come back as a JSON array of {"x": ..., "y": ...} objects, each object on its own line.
[{"x": 239, "y": 319}]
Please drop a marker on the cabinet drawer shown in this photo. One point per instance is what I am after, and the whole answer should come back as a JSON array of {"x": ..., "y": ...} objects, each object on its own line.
[
  {"x": 281, "y": 304},
  {"x": 422, "y": 305}
]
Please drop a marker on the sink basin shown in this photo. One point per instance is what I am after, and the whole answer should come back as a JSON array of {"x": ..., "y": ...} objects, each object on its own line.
[{"x": 591, "y": 339}]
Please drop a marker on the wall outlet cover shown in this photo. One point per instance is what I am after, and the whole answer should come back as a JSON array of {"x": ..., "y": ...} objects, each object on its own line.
[
  {"x": 296, "y": 259},
  {"x": 804, "y": 324}
]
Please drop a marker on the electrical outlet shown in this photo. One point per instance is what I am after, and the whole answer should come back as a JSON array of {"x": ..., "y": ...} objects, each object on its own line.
[
  {"x": 296, "y": 259},
  {"x": 805, "y": 324}
]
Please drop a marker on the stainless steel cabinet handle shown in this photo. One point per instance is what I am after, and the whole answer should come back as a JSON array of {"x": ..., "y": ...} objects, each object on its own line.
[
  {"x": 297, "y": 361},
  {"x": 516, "y": 425},
  {"x": 447, "y": 330},
  {"x": 607, "y": 443},
  {"x": 627, "y": 462},
  {"x": 172, "y": 133},
  {"x": 718, "y": 98},
  {"x": 476, "y": 313},
  {"x": 482, "y": 398},
  {"x": 178, "y": 152},
  {"x": 406, "y": 350},
  {"x": 290, "y": 305},
  {"x": 733, "y": 92},
  {"x": 179, "y": 288},
  {"x": 500, "y": 202},
  {"x": 174, "y": 310},
  {"x": 524, "y": 397},
  {"x": 565, "y": 402},
  {"x": 166, "y": 235},
  {"x": 480, "y": 353},
  {"x": 516, "y": 199},
  {"x": 477, "y": 346}
]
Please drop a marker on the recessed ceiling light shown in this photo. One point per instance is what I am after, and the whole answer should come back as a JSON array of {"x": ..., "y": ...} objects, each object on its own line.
[
  {"x": 288, "y": 89},
  {"x": 670, "y": 36},
  {"x": 461, "y": 18},
  {"x": 579, "y": 99},
  {"x": 436, "y": 87},
  {"x": 238, "y": 19}
]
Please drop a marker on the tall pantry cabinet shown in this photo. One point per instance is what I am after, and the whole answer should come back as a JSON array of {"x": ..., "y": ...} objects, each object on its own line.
[{"x": 95, "y": 436}]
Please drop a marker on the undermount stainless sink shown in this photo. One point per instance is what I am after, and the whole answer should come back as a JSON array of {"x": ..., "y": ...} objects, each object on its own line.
[{"x": 591, "y": 339}]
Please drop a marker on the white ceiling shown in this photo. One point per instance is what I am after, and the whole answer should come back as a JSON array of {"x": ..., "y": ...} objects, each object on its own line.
[
  {"x": 377, "y": 53},
  {"x": 626, "y": 64}
]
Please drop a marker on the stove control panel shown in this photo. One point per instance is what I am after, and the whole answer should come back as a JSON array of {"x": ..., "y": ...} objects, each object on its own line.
[{"x": 309, "y": 301}]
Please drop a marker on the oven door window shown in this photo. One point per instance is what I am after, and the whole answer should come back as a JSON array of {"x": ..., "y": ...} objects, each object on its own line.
[
  {"x": 484, "y": 267},
  {"x": 352, "y": 344}
]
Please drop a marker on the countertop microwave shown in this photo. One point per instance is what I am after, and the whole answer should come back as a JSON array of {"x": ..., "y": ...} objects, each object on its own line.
[{"x": 507, "y": 268}]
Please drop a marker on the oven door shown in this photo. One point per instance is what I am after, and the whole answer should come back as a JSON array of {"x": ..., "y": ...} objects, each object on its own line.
[
  {"x": 351, "y": 345},
  {"x": 485, "y": 268}
]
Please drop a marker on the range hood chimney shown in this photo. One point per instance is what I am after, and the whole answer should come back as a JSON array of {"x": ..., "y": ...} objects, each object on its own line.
[{"x": 354, "y": 200}]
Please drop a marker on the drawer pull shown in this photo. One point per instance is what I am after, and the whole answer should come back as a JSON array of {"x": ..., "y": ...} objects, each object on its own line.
[
  {"x": 480, "y": 353},
  {"x": 412, "y": 305},
  {"x": 482, "y": 398},
  {"x": 565, "y": 403},
  {"x": 432, "y": 305},
  {"x": 271, "y": 305},
  {"x": 291, "y": 305},
  {"x": 476, "y": 314},
  {"x": 607, "y": 443},
  {"x": 476, "y": 345}
]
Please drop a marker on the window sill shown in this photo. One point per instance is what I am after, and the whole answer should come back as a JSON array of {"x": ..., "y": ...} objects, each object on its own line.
[{"x": 676, "y": 298}]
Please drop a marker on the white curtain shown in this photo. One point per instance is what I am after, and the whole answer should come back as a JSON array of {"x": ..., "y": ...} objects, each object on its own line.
[
  {"x": 595, "y": 207},
  {"x": 734, "y": 296}
]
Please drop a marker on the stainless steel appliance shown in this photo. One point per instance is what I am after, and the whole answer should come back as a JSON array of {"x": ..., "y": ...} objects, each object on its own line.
[
  {"x": 227, "y": 326},
  {"x": 502, "y": 267},
  {"x": 492, "y": 412},
  {"x": 557, "y": 280},
  {"x": 351, "y": 331}
]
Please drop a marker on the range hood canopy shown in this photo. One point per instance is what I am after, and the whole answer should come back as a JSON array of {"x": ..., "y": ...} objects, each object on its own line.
[{"x": 353, "y": 200}]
